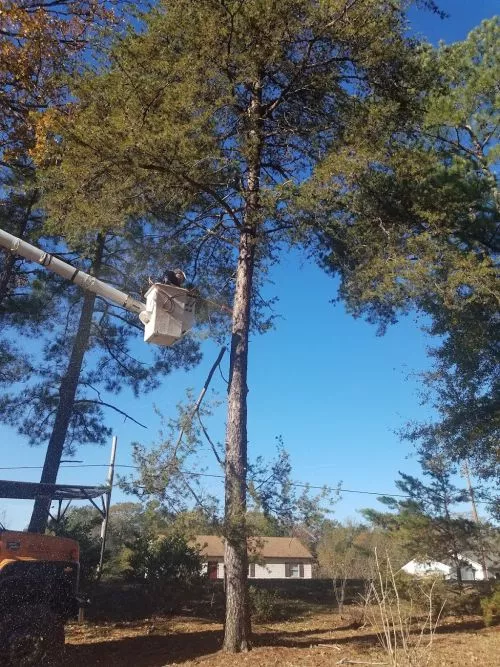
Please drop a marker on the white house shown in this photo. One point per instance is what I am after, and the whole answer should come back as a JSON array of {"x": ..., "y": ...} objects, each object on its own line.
[
  {"x": 270, "y": 557},
  {"x": 470, "y": 570}
]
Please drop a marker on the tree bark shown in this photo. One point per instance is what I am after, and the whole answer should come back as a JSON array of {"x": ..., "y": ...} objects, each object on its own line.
[
  {"x": 237, "y": 628},
  {"x": 67, "y": 394},
  {"x": 237, "y": 631},
  {"x": 6, "y": 276},
  {"x": 10, "y": 260}
]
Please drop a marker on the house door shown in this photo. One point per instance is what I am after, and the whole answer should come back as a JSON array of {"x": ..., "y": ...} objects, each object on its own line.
[{"x": 212, "y": 570}]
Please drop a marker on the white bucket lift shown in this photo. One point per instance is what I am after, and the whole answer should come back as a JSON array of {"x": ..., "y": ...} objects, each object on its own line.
[{"x": 169, "y": 314}]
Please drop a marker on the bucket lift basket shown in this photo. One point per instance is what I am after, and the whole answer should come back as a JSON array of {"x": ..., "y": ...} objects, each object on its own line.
[{"x": 169, "y": 314}]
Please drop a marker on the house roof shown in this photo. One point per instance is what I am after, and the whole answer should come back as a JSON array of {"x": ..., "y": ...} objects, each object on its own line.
[{"x": 266, "y": 547}]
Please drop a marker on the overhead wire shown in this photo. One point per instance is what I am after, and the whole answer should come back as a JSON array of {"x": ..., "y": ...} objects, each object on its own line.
[{"x": 300, "y": 485}]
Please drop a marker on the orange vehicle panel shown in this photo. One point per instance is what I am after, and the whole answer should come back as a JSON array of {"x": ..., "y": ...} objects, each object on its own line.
[{"x": 19, "y": 546}]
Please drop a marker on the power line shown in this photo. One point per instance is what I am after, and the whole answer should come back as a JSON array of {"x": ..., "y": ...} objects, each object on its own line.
[{"x": 300, "y": 485}]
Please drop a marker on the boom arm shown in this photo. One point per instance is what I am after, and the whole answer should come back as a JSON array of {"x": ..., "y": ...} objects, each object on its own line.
[
  {"x": 167, "y": 315},
  {"x": 84, "y": 280}
]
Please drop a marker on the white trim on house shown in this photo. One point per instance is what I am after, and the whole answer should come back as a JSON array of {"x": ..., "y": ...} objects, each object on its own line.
[{"x": 270, "y": 558}]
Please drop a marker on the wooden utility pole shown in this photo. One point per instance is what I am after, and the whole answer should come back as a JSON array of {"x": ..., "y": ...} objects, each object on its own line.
[
  {"x": 107, "y": 504},
  {"x": 475, "y": 516}
]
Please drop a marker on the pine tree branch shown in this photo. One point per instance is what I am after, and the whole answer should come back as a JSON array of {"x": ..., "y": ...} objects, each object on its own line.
[
  {"x": 205, "y": 433},
  {"x": 200, "y": 398},
  {"x": 113, "y": 407}
]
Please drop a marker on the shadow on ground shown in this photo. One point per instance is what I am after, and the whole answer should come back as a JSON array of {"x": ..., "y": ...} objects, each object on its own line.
[
  {"x": 146, "y": 651},
  {"x": 159, "y": 643},
  {"x": 156, "y": 650}
]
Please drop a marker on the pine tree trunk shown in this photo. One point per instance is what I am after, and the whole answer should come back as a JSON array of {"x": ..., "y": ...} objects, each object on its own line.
[
  {"x": 237, "y": 631},
  {"x": 11, "y": 259},
  {"x": 237, "y": 627},
  {"x": 6, "y": 276},
  {"x": 67, "y": 393}
]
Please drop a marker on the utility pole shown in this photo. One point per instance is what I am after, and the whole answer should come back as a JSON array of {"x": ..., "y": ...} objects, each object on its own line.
[
  {"x": 107, "y": 503},
  {"x": 475, "y": 515}
]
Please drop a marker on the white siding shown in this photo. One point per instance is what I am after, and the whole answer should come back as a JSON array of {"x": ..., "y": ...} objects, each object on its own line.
[
  {"x": 308, "y": 570},
  {"x": 276, "y": 569},
  {"x": 473, "y": 573},
  {"x": 271, "y": 569},
  {"x": 428, "y": 567}
]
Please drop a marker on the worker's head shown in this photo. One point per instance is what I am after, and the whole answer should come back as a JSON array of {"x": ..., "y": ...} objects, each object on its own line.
[{"x": 180, "y": 275}]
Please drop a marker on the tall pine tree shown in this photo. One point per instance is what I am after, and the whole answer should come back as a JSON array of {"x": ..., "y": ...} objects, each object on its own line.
[{"x": 222, "y": 108}]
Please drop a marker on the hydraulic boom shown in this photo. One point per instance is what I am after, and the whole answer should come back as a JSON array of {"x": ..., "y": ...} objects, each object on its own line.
[{"x": 167, "y": 315}]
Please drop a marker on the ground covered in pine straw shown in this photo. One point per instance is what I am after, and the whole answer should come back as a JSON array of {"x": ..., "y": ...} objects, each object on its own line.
[{"x": 317, "y": 638}]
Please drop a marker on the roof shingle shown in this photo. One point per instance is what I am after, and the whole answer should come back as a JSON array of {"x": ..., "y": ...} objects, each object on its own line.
[{"x": 266, "y": 547}]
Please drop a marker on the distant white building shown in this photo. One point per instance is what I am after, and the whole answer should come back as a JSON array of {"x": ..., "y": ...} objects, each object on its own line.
[
  {"x": 270, "y": 557},
  {"x": 471, "y": 569}
]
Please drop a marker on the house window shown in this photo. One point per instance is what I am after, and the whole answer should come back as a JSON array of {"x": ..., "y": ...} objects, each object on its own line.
[
  {"x": 251, "y": 569},
  {"x": 294, "y": 570}
]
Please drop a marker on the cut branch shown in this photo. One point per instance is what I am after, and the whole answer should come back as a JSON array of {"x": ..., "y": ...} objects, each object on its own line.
[{"x": 113, "y": 407}]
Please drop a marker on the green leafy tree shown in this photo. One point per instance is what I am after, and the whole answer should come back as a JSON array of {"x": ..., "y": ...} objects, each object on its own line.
[
  {"x": 162, "y": 558},
  {"x": 83, "y": 525},
  {"x": 414, "y": 224},
  {"x": 22, "y": 294},
  {"x": 424, "y": 523},
  {"x": 167, "y": 566},
  {"x": 221, "y": 109},
  {"x": 128, "y": 523}
]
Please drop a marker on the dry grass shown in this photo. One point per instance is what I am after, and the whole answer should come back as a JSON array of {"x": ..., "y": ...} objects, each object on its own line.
[{"x": 318, "y": 638}]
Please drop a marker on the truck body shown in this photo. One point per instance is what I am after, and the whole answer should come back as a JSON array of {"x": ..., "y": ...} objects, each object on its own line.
[{"x": 38, "y": 593}]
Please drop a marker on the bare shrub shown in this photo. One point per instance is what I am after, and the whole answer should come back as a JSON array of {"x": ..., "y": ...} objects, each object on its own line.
[{"x": 405, "y": 635}]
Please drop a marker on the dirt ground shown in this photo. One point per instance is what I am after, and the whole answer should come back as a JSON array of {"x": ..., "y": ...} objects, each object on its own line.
[{"x": 318, "y": 638}]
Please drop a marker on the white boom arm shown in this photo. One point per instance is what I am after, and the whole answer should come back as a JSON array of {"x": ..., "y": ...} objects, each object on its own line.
[
  {"x": 84, "y": 280},
  {"x": 168, "y": 313}
]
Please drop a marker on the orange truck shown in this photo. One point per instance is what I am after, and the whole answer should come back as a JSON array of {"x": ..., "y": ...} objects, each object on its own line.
[{"x": 38, "y": 594}]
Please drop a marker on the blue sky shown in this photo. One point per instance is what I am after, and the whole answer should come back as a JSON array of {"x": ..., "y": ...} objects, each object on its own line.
[{"x": 326, "y": 383}]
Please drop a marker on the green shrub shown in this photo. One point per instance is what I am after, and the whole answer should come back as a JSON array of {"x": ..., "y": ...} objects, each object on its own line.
[
  {"x": 452, "y": 599},
  {"x": 167, "y": 567},
  {"x": 463, "y": 601},
  {"x": 491, "y": 608},
  {"x": 264, "y": 605}
]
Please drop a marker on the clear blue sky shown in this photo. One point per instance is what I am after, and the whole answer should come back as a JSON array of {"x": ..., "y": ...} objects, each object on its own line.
[{"x": 324, "y": 381}]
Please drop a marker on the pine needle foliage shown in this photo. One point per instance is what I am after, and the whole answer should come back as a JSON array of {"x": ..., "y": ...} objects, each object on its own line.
[{"x": 219, "y": 111}]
